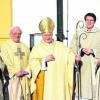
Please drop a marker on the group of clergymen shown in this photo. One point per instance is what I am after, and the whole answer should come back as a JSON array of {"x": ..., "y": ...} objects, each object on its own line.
[{"x": 52, "y": 71}]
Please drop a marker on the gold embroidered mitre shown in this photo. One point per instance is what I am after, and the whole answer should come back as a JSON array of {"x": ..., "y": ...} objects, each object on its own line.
[{"x": 46, "y": 25}]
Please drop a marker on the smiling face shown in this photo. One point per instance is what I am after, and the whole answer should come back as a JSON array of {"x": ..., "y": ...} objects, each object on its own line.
[
  {"x": 15, "y": 34},
  {"x": 89, "y": 22},
  {"x": 47, "y": 37}
]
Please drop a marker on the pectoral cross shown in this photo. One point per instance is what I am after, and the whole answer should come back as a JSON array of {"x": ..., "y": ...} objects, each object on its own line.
[{"x": 19, "y": 53}]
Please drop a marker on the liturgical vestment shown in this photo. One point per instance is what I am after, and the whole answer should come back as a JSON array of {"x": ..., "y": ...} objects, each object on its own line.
[
  {"x": 15, "y": 56},
  {"x": 58, "y": 78},
  {"x": 88, "y": 39}
]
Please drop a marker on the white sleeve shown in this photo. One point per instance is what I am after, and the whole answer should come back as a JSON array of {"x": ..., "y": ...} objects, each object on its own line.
[{"x": 43, "y": 67}]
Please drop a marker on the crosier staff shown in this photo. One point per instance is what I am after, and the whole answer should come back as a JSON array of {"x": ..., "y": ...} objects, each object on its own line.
[{"x": 79, "y": 26}]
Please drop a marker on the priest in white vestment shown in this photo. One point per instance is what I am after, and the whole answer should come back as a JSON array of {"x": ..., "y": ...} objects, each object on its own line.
[
  {"x": 15, "y": 55},
  {"x": 89, "y": 42}
]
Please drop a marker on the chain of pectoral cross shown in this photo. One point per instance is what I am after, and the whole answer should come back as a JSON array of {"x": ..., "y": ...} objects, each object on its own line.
[{"x": 19, "y": 53}]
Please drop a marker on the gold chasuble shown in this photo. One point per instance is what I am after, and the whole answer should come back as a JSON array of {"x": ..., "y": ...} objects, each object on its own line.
[
  {"x": 56, "y": 83},
  {"x": 5, "y": 19},
  {"x": 15, "y": 56}
]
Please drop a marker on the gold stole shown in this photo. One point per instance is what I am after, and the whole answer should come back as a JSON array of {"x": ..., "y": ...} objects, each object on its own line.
[{"x": 38, "y": 94}]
